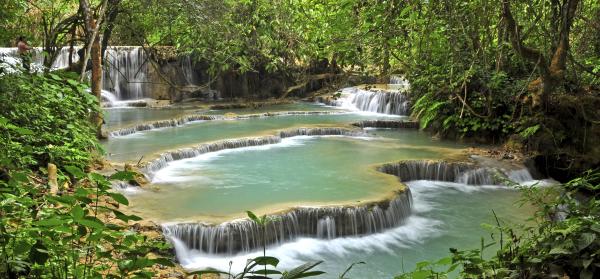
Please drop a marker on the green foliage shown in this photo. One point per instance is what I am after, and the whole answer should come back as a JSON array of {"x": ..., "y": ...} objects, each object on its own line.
[
  {"x": 529, "y": 131},
  {"x": 565, "y": 241},
  {"x": 45, "y": 119},
  {"x": 44, "y": 235},
  {"x": 78, "y": 232}
]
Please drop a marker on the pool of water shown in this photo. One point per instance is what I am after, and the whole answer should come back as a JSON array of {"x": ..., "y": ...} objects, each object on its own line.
[
  {"x": 126, "y": 116},
  {"x": 445, "y": 215},
  {"x": 298, "y": 171},
  {"x": 132, "y": 147}
]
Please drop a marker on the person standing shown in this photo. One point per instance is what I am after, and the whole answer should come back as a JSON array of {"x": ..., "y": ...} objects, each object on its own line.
[{"x": 24, "y": 52}]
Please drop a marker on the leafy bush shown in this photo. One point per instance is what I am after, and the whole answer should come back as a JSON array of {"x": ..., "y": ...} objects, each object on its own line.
[
  {"x": 45, "y": 118},
  {"x": 44, "y": 235},
  {"x": 79, "y": 231}
]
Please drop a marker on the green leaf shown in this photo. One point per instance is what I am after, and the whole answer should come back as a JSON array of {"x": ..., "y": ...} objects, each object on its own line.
[
  {"x": 267, "y": 261},
  {"x": 585, "y": 240},
  {"x": 123, "y": 175},
  {"x": 124, "y": 217},
  {"x": 75, "y": 171},
  {"x": 444, "y": 261},
  {"x": 49, "y": 222},
  {"x": 19, "y": 177},
  {"x": 421, "y": 274},
  {"x": 421, "y": 265},
  {"x": 90, "y": 223},
  {"x": 119, "y": 198},
  {"x": 21, "y": 247},
  {"x": 253, "y": 217},
  {"x": 266, "y": 272},
  {"x": 77, "y": 212},
  {"x": 302, "y": 271}
]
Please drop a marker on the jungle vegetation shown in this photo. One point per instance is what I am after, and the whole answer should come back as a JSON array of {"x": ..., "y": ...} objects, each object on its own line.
[{"x": 525, "y": 74}]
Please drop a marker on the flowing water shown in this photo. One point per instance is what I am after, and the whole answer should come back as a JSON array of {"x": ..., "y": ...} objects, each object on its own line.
[
  {"x": 313, "y": 170},
  {"x": 328, "y": 186},
  {"x": 132, "y": 147}
]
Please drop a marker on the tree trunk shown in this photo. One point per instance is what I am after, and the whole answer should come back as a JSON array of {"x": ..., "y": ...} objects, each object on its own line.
[
  {"x": 551, "y": 71},
  {"x": 97, "y": 78},
  {"x": 112, "y": 12}
]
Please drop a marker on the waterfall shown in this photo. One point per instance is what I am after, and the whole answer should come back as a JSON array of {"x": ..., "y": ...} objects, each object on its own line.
[
  {"x": 320, "y": 222},
  {"x": 378, "y": 101},
  {"x": 11, "y": 57},
  {"x": 185, "y": 153},
  {"x": 464, "y": 173},
  {"x": 191, "y": 152},
  {"x": 458, "y": 172},
  {"x": 109, "y": 97},
  {"x": 395, "y": 79},
  {"x": 125, "y": 72},
  {"x": 520, "y": 175},
  {"x": 185, "y": 63},
  {"x": 162, "y": 124}
]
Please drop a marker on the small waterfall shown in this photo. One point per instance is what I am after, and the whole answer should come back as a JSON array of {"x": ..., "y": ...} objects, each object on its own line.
[
  {"x": 191, "y": 152},
  {"x": 163, "y": 124},
  {"x": 195, "y": 117},
  {"x": 379, "y": 101},
  {"x": 387, "y": 124},
  {"x": 61, "y": 61},
  {"x": 320, "y": 222},
  {"x": 520, "y": 175},
  {"x": 464, "y": 173},
  {"x": 185, "y": 63},
  {"x": 157, "y": 164},
  {"x": 109, "y": 97},
  {"x": 395, "y": 79},
  {"x": 125, "y": 72}
]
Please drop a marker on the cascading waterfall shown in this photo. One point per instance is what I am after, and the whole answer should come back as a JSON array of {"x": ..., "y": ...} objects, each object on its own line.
[
  {"x": 109, "y": 97},
  {"x": 520, "y": 176},
  {"x": 191, "y": 152},
  {"x": 399, "y": 83},
  {"x": 197, "y": 117},
  {"x": 459, "y": 172},
  {"x": 163, "y": 124},
  {"x": 395, "y": 79},
  {"x": 320, "y": 222},
  {"x": 61, "y": 61},
  {"x": 378, "y": 101},
  {"x": 440, "y": 171},
  {"x": 125, "y": 72}
]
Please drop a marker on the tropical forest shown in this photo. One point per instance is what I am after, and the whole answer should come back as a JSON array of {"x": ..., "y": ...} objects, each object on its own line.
[{"x": 285, "y": 139}]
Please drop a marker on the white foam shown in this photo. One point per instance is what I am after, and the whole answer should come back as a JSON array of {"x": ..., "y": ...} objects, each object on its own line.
[{"x": 416, "y": 230}]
